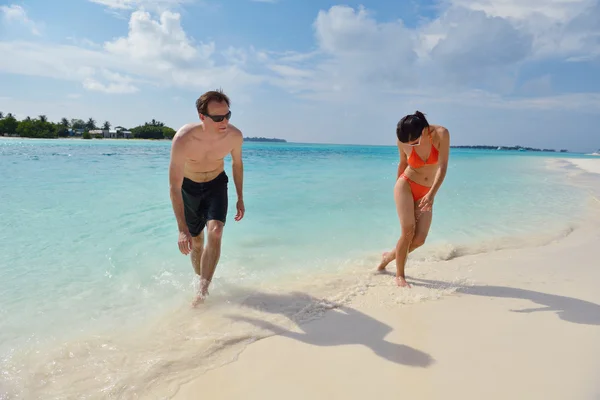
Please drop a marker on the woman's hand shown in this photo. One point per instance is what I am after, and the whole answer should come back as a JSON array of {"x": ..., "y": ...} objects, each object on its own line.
[{"x": 426, "y": 203}]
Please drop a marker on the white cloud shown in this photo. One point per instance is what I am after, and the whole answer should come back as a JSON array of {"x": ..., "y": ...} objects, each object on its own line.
[
  {"x": 116, "y": 83},
  {"x": 353, "y": 49},
  {"x": 16, "y": 13},
  {"x": 94, "y": 85},
  {"x": 155, "y": 51},
  {"x": 471, "y": 45},
  {"x": 134, "y": 4},
  {"x": 161, "y": 41},
  {"x": 475, "y": 46},
  {"x": 556, "y": 10},
  {"x": 559, "y": 27}
]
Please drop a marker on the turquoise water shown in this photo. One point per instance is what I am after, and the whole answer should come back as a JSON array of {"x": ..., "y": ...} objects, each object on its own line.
[{"x": 89, "y": 243}]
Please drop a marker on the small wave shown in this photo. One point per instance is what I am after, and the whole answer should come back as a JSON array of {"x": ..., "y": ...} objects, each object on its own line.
[{"x": 448, "y": 251}]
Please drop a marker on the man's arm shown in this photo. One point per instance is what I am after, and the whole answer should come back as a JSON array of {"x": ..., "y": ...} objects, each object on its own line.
[
  {"x": 237, "y": 166},
  {"x": 403, "y": 161},
  {"x": 443, "y": 161},
  {"x": 176, "y": 168}
]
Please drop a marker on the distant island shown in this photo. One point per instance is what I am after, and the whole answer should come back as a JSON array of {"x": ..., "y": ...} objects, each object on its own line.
[
  {"x": 263, "y": 139},
  {"x": 507, "y": 148}
]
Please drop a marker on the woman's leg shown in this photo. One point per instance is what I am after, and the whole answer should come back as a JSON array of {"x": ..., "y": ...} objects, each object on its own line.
[
  {"x": 423, "y": 223},
  {"x": 405, "y": 207},
  {"x": 423, "y": 219}
]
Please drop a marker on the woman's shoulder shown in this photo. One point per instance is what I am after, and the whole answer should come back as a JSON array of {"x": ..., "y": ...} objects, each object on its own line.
[{"x": 439, "y": 135}]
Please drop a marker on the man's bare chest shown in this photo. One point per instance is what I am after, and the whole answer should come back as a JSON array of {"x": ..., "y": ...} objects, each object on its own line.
[{"x": 207, "y": 151}]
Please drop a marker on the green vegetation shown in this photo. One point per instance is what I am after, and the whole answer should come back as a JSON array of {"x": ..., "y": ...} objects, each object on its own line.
[
  {"x": 506, "y": 148},
  {"x": 263, "y": 139},
  {"x": 41, "y": 128},
  {"x": 153, "y": 130}
]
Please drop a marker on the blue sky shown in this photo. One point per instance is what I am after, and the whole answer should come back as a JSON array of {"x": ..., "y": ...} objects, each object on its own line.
[{"x": 498, "y": 72}]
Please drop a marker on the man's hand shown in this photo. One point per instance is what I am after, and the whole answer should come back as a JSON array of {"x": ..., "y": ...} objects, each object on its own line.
[
  {"x": 426, "y": 203},
  {"x": 185, "y": 242},
  {"x": 240, "y": 210}
]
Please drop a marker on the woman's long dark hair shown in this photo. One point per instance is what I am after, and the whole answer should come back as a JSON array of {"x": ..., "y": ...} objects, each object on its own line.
[{"x": 411, "y": 127}]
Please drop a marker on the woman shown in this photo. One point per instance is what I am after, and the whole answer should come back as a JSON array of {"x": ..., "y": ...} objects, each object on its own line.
[{"x": 424, "y": 151}]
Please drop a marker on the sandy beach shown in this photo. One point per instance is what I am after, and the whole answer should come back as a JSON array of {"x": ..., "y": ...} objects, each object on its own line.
[
  {"x": 515, "y": 323},
  {"x": 586, "y": 164}
]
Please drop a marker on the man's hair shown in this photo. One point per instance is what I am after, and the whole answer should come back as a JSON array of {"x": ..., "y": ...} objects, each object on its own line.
[
  {"x": 213, "y": 95},
  {"x": 411, "y": 127}
]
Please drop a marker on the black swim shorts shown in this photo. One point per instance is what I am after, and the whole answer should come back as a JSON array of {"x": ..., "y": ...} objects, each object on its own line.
[{"x": 204, "y": 201}]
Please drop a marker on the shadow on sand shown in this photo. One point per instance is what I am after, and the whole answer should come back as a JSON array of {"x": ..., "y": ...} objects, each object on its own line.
[
  {"x": 567, "y": 308},
  {"x": 343, "y": 326}
]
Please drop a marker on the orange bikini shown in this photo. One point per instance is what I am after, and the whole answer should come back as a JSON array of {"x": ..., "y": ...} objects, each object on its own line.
[{"x": 415, "y": 161}]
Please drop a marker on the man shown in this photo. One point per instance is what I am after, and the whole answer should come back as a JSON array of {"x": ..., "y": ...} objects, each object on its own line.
[{"x": 198, "y": 183}]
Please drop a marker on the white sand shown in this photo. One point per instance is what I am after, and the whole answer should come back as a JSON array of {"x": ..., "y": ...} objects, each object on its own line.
[
  {"x": 521, "y": 324},
  {"x": 588, "y": 164}
]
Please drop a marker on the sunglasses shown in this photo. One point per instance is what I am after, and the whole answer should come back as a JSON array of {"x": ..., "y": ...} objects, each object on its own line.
[{"x": 219, "y": 118}]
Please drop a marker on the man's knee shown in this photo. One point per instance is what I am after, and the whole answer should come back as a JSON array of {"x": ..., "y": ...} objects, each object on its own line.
[
  {"x": 215, "y": 230},
  {"x": 198, "y": 241}
]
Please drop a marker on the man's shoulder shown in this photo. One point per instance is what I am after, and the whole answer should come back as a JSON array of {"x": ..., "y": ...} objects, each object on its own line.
[
  {"x": 186, "y": 131},
  {"x": 235, "y": 133}
]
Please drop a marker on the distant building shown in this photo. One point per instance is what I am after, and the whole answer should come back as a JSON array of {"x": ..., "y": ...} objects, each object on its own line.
[
  {"x": 120, "y": 132},
  {"x": 75, "y": 132},
  {"x": 112, "y": 134},
  {"x": 96, "y": 133}
]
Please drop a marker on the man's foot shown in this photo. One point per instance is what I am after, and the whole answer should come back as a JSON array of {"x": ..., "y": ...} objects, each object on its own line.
[
  {"x": 401, "y": 282},
  {"x": 201, "y": 290},
  {"x": 386, "y": 258}
]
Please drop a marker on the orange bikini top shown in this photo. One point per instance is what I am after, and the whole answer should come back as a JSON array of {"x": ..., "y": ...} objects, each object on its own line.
[{"x": 415, "y": 161}]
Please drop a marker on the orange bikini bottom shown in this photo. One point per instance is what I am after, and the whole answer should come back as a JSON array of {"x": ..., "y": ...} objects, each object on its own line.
[{"x": 418, "y": 191}]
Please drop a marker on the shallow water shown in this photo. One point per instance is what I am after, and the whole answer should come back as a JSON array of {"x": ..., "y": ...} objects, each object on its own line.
[{"x": 89, "y": 258}]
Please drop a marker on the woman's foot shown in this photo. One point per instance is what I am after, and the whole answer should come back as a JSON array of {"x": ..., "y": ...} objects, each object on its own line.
[
  {"x": 386, "y": 258},
  {"x": 401, "y": 282}
]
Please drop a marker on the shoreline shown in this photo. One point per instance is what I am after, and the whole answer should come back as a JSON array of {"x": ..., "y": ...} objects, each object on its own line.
[
  {"x": 503, "y": 149},
  {"x": 590, "y": 165},
  {"x": 187, "y": 346},
  {"x": 496, "y": 326},
  {"x": 506, "y": 318}
]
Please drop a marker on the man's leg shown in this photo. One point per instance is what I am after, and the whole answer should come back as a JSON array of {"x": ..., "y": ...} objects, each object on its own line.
[
  {"x": 211, "y": 254},
  {"x": 215, "y": 214},
  {"x": 196, "y": 256}
]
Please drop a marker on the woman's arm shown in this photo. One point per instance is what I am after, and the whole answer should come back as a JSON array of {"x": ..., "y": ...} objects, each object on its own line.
[
  {"x": 403, "y": 161},
  {"x": 444, "y": 153}
]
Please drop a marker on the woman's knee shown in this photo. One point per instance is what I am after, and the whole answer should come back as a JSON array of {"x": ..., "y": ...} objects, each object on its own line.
[
  {"x": 408, "y": 230},
  {"x": 417, "y": 241}
]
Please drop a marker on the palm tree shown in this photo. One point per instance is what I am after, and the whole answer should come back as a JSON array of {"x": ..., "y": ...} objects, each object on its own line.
[
  {"x": 1, "y": 115},
  {"x": 91, "y": 124},
  {"x": 43, "y": 118},
  {"x": 64, "y": 122},
  {"x": 106, "y": 126},
  {"x": 28, "y": 118}
]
